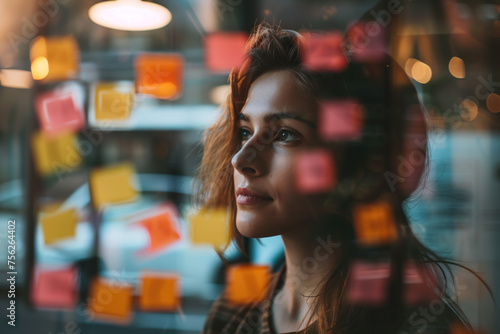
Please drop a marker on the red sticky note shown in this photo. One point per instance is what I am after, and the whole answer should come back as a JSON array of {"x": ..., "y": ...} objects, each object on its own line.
[
  {"x": 162, "y": 229},
  {"x": 366, "y": 41},
  {"x": 58, "y": 112},
  {"x": 419, "y": 284},
  {"x": 315, "y": 171},
  {"x": 225, "y": 50},
  {"x": 55, "y": 288},
  {"x": 159, "y": 75},
  {"x": 368, "y": 283},
  {"x": 340, "y": 120},
  {"x": 323, "y": 52}
]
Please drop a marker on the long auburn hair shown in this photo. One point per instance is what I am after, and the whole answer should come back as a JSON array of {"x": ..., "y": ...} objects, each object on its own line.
[{"x": 362, "y": 174}]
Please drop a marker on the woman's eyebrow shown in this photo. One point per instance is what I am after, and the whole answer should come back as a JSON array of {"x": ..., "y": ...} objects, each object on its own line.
[{"x": 279, "y": 115}]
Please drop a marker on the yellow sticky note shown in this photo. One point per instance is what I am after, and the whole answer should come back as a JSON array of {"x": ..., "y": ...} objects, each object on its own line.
[
  {"x": 113, "y": 101},
  {"x": 113, "y": 185},
  {"x": 210, "y": 227},
  {"x": 247, "y": 283},
  {"x": 54, "y": 58},
  {"x": 55, "y": 154},
  {"x": 110, "y": 300},
  {"x": 59, "y": 226},
  {"x": 159, "y": 292}
]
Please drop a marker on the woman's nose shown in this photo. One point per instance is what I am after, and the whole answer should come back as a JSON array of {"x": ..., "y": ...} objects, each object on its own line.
[{"x": 250, "y": 160}]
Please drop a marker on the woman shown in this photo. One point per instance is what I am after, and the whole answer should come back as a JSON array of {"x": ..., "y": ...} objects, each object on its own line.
[{"x": 280, "y": 168}]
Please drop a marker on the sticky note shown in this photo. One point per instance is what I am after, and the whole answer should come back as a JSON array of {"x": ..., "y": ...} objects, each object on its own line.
[
  {"x": 55, "y": 288},
  {"x": 58, "y": 112},
  {"x": 162, "y": 230},
  {"x": 110, "y": 300},
  {"x": 59, "y": 226},
  {"x": 225, "y": 50},
  {"x": 323, "y": 51},
  {"x": 54, "y": 58},
  {"x": 314, "y": 171},
  {"x": 368, "y": 282},
  {"x": 340, "y": 120},
  {"x": 247, "y": 283},
  {"x": 374, "y": 223},
  {"x": 418, "y": 284},
  {"x": 57, "y": 154},
  {"x": 113, "y": 185},
  {"x": 159, "y": 75},
  {"x": 113, "y": 102},
  {"x": 366, "y": 41},
  {"x": 159, "y": 292},
  {"x": 210, "y": 227}
]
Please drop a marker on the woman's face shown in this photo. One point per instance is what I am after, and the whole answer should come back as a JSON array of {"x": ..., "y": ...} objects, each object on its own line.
[{"x": 276, "y": 122}]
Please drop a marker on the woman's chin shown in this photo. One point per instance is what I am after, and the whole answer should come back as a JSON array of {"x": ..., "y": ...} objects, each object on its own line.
[{"x": 252, "y": 229}]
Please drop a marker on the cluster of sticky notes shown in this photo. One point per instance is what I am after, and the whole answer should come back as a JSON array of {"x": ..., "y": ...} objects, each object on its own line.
[
  {"x": 159, "y": 75},
  {"x": 418, "y": 284},
  {"x": 323, "y": 52},
  {"x": 210, "y": 227},
  {"x": 162, "y": 229},
  {"x": 314, "y": 171},
  {"x": 110, "y": 300},
  {"x": 55, "y": 154},
  {"x": 59, "y": 112},
  {"x": 225, "y": 50},
  {"x": 59, "y": 226},
  {"x": 159, "y": 292},
  {"x": 113, "y": 185},
  {"x": 55, "y": 288},
  {"x": 113, "y": 101},
  {"x": 367, "y": 41},
  {"x": 340, "y": 120},
  {"x": 54, "y": 58},
  {"x": 368, "y": 282},
  {"x": 374, "y": 223},
  {"x": 247, "y": 283}
]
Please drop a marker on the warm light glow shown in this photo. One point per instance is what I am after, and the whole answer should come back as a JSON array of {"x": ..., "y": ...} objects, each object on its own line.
[
  {"x": 457, "y": 67},
  {"x": 16, "y": 79},
  {"x": 132, "y": 15},
  {"x": 468, "y": 109},
  {"x": 39, "y": 68},
  {"x": 421, "y": 72},
  {"x": 218, "y": 94},
  {"x": 493, "y": 103}
]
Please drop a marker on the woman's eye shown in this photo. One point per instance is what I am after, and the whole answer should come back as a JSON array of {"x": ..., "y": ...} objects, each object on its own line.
[
  {"x": 286, "y": 136},
  {"x": 243, "y": 134}
]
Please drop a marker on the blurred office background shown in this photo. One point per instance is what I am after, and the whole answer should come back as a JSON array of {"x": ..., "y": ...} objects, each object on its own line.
[{"x": 52, "y": 52}]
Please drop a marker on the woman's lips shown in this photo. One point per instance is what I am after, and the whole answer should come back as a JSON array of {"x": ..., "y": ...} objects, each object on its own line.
[{"x": 246, "y": 199}]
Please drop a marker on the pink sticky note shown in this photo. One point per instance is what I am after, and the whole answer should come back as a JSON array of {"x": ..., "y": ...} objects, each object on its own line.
[
  {"x": 315, "y": 171},
  {"x": 55, "y": 288},
  {"x": 58, "y": 112},
  {"x": 368, "y": 283},
  {"x": 225, "y": 50},
  {"x": 340, "y": 120},
  {"x": 419, "y": 284},
  {"x": 366, "y": 41},
  {"x": 323, "y": 52}
]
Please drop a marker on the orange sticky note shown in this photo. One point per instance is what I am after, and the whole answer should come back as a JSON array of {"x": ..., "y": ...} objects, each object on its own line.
[
  {"x": 368, "y": 282},
  {"x": 374, "y": 223},
  {"x": 210, "y": 227},
  {"x": 59, "y": 226},
  {"x": 323, "y": 52},
  {"x": 56, "y": 154},
  {"x": 225, "y": 50},
  {"x": 110, "y": 300},
  {"x": 113, "y": 101},
  {"x": 159, "y": 75},
  {"x": 162, "y": 229},
  {"x": 55, "y": 288},
  {"x": 113, "y": 185},
  {"x": 54, "y": 58},
  {"x": 340, "y": 120},
  {"x": 247, "y": 283},
  {"x": 59, "y": 112},
  {"x": 159, "y": 292},
  {"x": 314, "y": 171}
]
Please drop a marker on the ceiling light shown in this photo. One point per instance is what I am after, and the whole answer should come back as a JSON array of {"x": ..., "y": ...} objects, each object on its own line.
[{"x": 132, "y": 15}]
